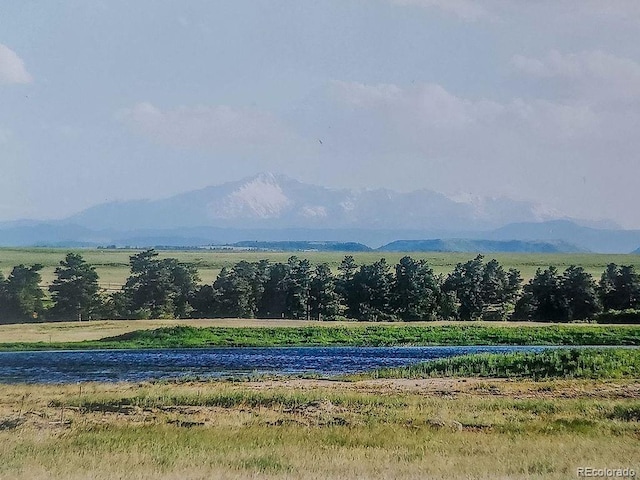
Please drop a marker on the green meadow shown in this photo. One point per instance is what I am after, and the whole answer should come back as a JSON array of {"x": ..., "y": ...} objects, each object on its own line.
[
  {"x": 355, "y": 335},
  {"x": 113, "y": 265}
]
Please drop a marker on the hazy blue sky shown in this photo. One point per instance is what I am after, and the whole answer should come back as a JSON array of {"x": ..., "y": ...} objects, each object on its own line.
[{"x": 113, "y": 99}]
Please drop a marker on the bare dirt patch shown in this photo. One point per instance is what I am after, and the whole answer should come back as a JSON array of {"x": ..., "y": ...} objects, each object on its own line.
[{"x": 450, "y": 387}]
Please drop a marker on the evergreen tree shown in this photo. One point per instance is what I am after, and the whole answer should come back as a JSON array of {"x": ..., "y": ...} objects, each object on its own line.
[
  {"x": 4, "y": 298},
  {"x": 324, "y": 300},
  {"x": 619, "y": 288},
  {"x": 550, "y": 297},
  {"x": 262, "y": 272},
  {"x": 543, "y": 298},
  {"x": 372, "y": 292},
  {"x": 415, "y": 291},
  {"x": 274, "y": 298},
  {"x": 466, "y": 281},
  {"x": 499, "y": 290},
  {"x": 159, "y": 288},
  {"x": 298, "y": 286},
  {"x": 204, "y": 302},
  {"x": 483, "y": 290},
  {"x": 237, "y": 292},
  {"x": 184, "y": 280},
  {"x": 580, "y": 292},
  {"x": 116, "y": 305},
  {"x": 75, "y": 289},
  {"x": 23, "y": 297},
  {"x": 345, "y": 286},
  {"x": 234, "y": 294},
  {"x": 608, "y": 287},
  {"x": 628, "y": 288}
]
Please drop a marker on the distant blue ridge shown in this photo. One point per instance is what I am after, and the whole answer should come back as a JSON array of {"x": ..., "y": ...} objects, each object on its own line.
[{"x": 479, "y": 246}]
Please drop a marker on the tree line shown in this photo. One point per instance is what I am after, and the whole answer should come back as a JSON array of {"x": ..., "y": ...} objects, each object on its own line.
[{"x": 410, "y": 290}]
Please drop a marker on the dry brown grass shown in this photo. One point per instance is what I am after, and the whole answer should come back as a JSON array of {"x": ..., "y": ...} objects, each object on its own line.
[
  {"x": 79, "y": 331},
  {"x": 442, "y": 429}
]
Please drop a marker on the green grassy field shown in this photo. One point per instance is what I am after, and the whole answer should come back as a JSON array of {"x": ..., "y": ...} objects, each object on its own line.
[
  {"x": 113, "y": 265},
  {"x": 356, "y": 335}
]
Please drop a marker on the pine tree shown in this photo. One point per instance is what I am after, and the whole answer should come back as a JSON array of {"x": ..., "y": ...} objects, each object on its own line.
[
  {"x": 23, "y": 297},
  {"x": 324, "y": 300},
  {"x": 415, "y": 291},
  {"x": 75, "y": 289}
]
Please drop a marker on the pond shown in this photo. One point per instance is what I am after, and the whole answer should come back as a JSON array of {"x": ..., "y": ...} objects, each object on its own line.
[{"x": 140, "y": 365}]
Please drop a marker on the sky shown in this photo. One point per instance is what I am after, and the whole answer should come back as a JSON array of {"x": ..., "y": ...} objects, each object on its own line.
[{"x": 105, "y": 100}]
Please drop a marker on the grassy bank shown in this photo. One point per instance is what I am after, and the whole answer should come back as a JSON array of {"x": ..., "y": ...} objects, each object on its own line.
[
  {"x": 458, "y": 334},
  {"x": 96, "y": 329},
  {"x": 573, "y": 363},
  {"x": 439, "y": 429}
]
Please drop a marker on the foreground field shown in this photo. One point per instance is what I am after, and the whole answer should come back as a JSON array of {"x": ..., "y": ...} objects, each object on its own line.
[
  {"x": 389, "y": 429},
  {"x": 113, "y": 265}
]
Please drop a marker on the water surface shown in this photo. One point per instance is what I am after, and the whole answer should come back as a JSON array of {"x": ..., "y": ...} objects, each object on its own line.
[{"x": 139, "y": 365}]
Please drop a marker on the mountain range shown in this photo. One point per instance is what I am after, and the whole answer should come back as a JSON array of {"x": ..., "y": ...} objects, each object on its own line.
[
  {"x": 269, "y": 208},
  {"x": 277, "y": 201}
]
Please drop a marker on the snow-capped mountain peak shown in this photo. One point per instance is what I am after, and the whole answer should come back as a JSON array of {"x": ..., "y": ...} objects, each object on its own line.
[{"x": 260, "y": 197}]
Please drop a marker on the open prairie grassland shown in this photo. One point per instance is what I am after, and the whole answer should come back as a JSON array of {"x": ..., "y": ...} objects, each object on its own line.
[
  {"x": 113, "y": 265},
  {"x": 313, "y": 429}
]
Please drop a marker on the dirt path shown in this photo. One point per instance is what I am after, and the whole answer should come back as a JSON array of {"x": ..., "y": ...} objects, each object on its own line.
[{"x": 451, "y": 387}]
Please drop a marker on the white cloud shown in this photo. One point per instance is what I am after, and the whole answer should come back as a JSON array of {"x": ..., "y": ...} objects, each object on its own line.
[
  {"x": 563, "y": 11},
  {"x": 468, "y": 10},
  {"x": 207, "y": 127},
  {"x": 427, "y": 105},
  {"x": 552, "y": 121},
  {"x": 430, "y": 110},
  {"x": 576, "y": 66},
  {"x": 12, "y": 68},
  {"x": 627, "y": 10},
  {"x": 591, "y": 76},
  {"x": 530, "y": 66}
]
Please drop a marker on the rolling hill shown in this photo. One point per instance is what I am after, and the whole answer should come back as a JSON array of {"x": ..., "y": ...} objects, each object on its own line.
[{"x": 478, "y": 246}]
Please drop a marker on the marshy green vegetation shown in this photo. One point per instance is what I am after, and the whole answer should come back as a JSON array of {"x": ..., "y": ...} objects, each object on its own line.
[
  {"x": 356, "y": 335},
  {"x": 563, "y": 363}
]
